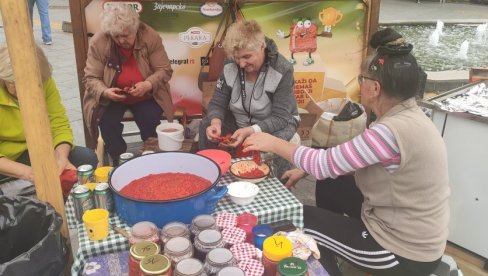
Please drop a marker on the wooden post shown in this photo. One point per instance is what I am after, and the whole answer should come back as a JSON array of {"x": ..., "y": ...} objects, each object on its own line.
[{"x": 21, "y": 46}]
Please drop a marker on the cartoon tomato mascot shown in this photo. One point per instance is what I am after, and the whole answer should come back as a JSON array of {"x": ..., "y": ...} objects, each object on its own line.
[{"x": 303, "y": 38}]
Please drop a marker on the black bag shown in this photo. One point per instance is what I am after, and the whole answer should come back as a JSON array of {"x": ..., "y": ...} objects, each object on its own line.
[{"x": 30, "y": 238}]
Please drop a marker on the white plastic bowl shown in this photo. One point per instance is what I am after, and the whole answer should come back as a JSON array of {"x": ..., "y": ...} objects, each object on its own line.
[{"x": 242, "y": 193}]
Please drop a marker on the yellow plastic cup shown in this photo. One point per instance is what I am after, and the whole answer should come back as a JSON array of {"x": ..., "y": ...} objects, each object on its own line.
[
  {"x": 96, "y": 224},
  {"x": 101, "y": 174}
]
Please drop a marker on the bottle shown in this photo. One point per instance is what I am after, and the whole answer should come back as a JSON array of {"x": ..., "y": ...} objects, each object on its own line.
[
  {"x": 144, "y": 230},
  {"x": 137, "y": 252},
  {"x": 177, "y": 249},
  {"x": 275, "y": 249},
  {"x": 292, "y": 266},
  {"x": 156, "y": 265},
  {"x": 217, "y": 259}
]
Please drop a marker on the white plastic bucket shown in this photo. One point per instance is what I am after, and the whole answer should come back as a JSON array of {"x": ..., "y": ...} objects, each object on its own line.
[{"x": 170, "y": 136}]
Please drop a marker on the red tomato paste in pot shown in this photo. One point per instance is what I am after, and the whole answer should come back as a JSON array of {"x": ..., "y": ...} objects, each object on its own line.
[{"x": 165, "y": 186}]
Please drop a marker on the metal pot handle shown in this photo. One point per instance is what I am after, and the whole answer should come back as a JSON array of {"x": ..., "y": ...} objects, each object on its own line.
[{"x": 220, "y": 191}]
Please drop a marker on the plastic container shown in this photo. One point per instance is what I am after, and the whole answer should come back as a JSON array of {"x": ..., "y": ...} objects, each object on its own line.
[
  {"x": 292, "y": 266},
  {"x": 96, "y": 224},
  {"x": 137, "y": 252},
  {"x": 275, "y": 249},
  {"x": 217, "y": 259},
  {"x": 144, "y": 230},
  {"x": 101, "y": 174},
  {"x": 222, "y": 158},
  {"x": 189, "y": 267},
  {"x": 156, "y": 265},
  {"x": 259, "y": 233},
  {"x": 170, "y": 136},
  {"x": 246, "y": 221},
  {"x": 177, "y": 249}
]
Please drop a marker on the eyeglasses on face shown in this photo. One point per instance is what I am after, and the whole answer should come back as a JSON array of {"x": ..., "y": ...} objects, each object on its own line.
[{"x": 361, "y": 79}]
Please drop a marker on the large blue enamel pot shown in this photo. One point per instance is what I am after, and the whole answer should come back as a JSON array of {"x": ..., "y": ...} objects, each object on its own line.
[{"x": 161, "y": 212}]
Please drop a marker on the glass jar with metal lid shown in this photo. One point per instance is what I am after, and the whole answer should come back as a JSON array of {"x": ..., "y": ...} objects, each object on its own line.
[
  {"x": 231, "y": 271},
  {"x": 189, "y": 267},
  {"x": 202, "y": 222},
  {"x": 144, "y": 230},
  {"x": 217, "y": 259},
  {"x": 177, "y": 249},
  {"x": 292, "y": 266},
  {"x": 174, "y": 229},
  {"x": 156, "y": 265},
  {"x": 137, "y": 252},
  {"x": 206, "y": 241}
]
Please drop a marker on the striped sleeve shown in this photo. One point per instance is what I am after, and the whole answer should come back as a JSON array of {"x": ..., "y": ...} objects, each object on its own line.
[{"x": 375, "y": 145}]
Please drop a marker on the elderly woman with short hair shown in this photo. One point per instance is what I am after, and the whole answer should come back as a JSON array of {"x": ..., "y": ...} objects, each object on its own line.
[
  {"x": 126, "y": 68},
  {"x": 254, "y": 92},
  {"x": 16, "y": 174}
]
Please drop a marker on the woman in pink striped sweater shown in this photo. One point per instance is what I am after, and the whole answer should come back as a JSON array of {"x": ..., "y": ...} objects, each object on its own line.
[{"x": 397, "y": 208}]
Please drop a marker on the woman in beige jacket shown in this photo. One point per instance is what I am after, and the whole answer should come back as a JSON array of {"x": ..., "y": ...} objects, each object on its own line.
[{"x": 126, "y": 68}]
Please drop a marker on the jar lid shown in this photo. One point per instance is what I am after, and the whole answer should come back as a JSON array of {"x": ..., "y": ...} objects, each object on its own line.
[
  {"x": 155, "y": 264},
  {"x": 219, "y": 256},
  {"x": 292, "y": 266},
  {"x": 190, "y": 266},
  {"x": 243, "y": 251},
  {"x": 203, "y": 221},
  {"x": 175, "y": 229},
  {"x": 178, "y": 244},
  {"x": 252, "y": 267},
  {"x": 276, "y": 248},
  {"x": 234, "y": 235},
  {"x": 209, "y": 236},
  {"x": 226, "y": 220},
  {"x": 143, "y": 248},
  {"x": 231, "y": 271},
  {"x": 143, "y": 229}
]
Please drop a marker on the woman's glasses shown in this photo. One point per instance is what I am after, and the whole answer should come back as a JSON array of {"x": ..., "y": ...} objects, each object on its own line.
[{"x": 361, "y": 79}]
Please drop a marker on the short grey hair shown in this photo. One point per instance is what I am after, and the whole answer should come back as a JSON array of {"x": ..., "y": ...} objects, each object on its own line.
[
  {"x": 119, "y": 17},
  {"x": 7, "y": 73},
  {"x": 243, "y": 35}
]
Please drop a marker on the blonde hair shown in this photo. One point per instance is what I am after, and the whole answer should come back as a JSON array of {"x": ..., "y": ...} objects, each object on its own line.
[
  {"x": 243, "y": 35},
  {"x": 7, "y": 73},
  {"x": 118, "y": 18}
]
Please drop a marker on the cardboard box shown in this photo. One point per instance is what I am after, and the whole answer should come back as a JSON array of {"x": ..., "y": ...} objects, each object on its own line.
[{"x": 308, "y": 121}]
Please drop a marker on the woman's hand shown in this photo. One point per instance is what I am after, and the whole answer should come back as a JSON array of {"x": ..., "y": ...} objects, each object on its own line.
[
  {"x": 16, "y": 169},
  {"x": 140, "y": 89},
  {"x": 293, "y": 177},
  {"x": 61, "y": 154},
  {"x": 240, "y": 135},
  {"x": 115, "y": 94},
  {"x": 214, "y": 130},
  {"x": 260, "y": 141}
]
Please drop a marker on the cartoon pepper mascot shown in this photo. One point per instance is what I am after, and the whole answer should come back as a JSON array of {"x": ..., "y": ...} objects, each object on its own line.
[{"x": 303, "y": 38}]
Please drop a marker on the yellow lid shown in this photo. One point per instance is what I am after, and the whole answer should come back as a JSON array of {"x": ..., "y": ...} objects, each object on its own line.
[
  {"x": 90, "y": 185},
  {"x": 143, "y": 248},
  {"x": 276, "y": 248},
  {"x": 155, "y": 264},
  {"x": 101, "y": 173}
]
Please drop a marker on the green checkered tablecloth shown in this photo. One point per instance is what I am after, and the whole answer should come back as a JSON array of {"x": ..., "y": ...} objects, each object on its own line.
[{"x": 273, "y": 203}]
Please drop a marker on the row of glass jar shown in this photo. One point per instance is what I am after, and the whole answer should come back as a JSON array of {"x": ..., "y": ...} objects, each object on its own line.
[{"x": 145, "y": 259}]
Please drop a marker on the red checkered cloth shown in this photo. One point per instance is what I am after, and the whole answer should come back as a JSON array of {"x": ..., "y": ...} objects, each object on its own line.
[
  {"x": 252, "y": 267},
  {"x": 233, "y": 235},
  {"x": 243, "y": 251},
  {"x": 226, "y": 220}
]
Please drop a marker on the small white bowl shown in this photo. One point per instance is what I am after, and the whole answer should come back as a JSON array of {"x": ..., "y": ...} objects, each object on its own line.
[
  {"x": 238, "y": 168},
  {"x": 242, "y": 193}
]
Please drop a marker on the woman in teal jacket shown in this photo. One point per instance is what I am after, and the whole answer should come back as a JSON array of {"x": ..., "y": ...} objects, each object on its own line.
[{"x": 16, "y": 174}]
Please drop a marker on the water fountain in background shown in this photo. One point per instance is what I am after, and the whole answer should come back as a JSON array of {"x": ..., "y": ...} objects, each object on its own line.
[
  {"x": 434, "y": 38},
  {"x": 481, "y": 34},
  {"x": 447, "y": 54},
  {"x": 463, "y": 50},
  {"x": 439, "y": 27}
]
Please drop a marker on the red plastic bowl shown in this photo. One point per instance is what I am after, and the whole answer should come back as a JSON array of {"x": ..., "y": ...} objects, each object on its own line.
[{"x": 222, "y": 158}]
